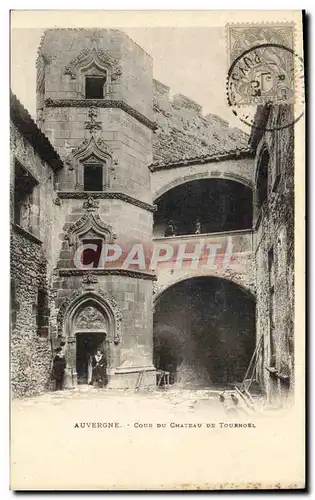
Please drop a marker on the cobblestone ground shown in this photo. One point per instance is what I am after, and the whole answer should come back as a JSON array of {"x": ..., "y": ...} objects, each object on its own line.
[{"x": 90, "y": 438}]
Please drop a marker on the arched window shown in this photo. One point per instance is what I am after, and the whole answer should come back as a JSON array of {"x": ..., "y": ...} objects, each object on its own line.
[
  {"x": 94, "y": 165},
  {"x": 262, "y": 178},
  {"x": 96, "y": 73},
  {"x": 87, "y": 234}
]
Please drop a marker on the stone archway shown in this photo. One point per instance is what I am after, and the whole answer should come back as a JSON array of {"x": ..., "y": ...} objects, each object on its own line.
[
  {"x": 204, "y": 206},
  {"x": 204, "y": 332},
  {"x": 92, "y": 317}
]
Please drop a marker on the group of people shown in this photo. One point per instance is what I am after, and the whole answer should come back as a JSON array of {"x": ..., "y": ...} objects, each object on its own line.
[
  {"x": 171, "y": 229},
  {"x": 97, "y": 373}
]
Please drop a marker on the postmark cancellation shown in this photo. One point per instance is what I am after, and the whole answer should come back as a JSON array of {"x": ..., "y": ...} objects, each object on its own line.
[{"x": 262, "y": 64}]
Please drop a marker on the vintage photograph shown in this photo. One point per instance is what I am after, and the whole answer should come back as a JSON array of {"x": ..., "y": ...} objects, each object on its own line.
[{"x": 154, "y": 253}]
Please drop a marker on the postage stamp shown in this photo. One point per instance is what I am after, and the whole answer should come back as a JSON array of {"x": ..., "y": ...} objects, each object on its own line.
[{"x": 262, "y": 67}]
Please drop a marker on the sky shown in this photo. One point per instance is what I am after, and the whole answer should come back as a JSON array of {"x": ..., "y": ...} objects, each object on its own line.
[{"x": 191, "y": 61}]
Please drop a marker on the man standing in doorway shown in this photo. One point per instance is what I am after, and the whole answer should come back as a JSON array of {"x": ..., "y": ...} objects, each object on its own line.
[{"x": 59, "y": 365}]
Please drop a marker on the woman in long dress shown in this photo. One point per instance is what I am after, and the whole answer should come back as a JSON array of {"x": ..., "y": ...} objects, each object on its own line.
[{"x": 99, "y": 369}]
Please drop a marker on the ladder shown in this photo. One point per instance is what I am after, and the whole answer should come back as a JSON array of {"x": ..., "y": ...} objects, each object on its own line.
[
  {"x": 241, "y": 394},
  {"x": 245, "y": 385},
  {"x": 139, "y": 380}
]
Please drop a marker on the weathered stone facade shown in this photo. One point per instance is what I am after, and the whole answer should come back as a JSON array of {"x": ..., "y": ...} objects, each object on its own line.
[
  {"x": 118, "y": 137},
  {"x": 274, "y": 249},
  {"x": 31, "y": 256},
  {"x": 122, "y": 146}
]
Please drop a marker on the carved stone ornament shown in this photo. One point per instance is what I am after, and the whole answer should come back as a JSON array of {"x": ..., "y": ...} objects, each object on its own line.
[
  {"x": 91, "y": 204},
  {"x": 110, "y": 271},
  {"x": 89, "y": 279},
  {"x": 67, "y": 155},
  {"x": 91, "y": 225},
  {"x": 109, "y": 195},
  {"x": 81, "y": 102},
  {"x": 97, "y": 58},
  {"x": 57, "y": 201},
  {"x": 91, "y": 124},
  {"x": 96, "y": 297},
  {"x": 90, "y": 318}
]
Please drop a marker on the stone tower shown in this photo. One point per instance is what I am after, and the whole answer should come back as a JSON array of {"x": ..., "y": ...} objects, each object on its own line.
[{"x": 94, "y": 102}]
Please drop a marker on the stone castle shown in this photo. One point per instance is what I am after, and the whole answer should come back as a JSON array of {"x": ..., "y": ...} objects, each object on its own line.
[{"x": 112, "y": 159}]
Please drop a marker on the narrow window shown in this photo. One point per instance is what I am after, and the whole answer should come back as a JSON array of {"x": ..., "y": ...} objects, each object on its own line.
[
  {"x": 94, "y": 87},
  {"x": 90, "y": 256},
  {"x": 276, "y": 170},
  {"x": 14, "y": 305},
  {"x": 93, "y": 177},
  {"x": 262, "y": 181},
  {"x": 42, "y": 312}
]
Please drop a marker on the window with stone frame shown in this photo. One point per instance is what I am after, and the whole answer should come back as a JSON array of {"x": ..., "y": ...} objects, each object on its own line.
[
  {"x": 95, "y": 72},
  {"x": 89, "y": 255},
  {"x": 94, "y": 87},
  {"x": 26, "y": 203},
  {"x": 93, "y": 175},
  {"x": 94, "y": 164},
  {"x": 42, "y": 313}
]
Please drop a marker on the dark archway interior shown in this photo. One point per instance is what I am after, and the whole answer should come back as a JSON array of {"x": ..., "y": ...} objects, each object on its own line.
[
  {"x": 204, "y": 332},
  {"x": 87, "y": 344},
  {"x": 205, "y": 206}
]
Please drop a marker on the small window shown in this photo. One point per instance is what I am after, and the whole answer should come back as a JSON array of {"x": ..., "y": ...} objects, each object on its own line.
[
  {"x": 262, "y": 181},
  {"x": 94, "y": 87},
  {"x": 42, "y": 313},
  {"x": 90, "y": 256},
  {"x": 24, "y": 184},
  {"x": 14, "y": 305},
  {"x": 93, "y": 177}
]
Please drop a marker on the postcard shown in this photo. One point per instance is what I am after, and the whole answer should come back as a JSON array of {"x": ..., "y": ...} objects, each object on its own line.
[{"x": 157, "y": 178}]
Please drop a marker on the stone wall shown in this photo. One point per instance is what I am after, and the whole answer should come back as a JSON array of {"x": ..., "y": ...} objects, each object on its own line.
[
  {"x": 183, "y": 132},
  {"x": 275, "y": 233},
  {"x": 233, "y": 262},
  {"x": 239, "y": 170},
  {"x": 31, "y": 266}
]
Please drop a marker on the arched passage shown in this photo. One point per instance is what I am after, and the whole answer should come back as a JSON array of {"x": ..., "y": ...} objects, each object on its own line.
[
  {"x": 203, "y": 206},
  {"x": 204, "y": 332}
]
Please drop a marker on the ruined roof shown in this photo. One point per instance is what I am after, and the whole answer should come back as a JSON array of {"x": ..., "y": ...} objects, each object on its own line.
[
  {"x": 185, "y": 136},
  {"x": 28, "y": 128}
]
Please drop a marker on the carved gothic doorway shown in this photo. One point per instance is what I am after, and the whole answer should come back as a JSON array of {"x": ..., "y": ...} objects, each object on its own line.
[
  {"x": 90, "y": 327},
  {"x": 87, "y": 345}
]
